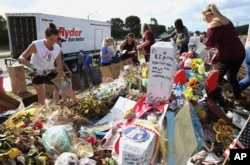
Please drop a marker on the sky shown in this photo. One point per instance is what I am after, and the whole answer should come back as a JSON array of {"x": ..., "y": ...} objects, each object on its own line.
[{"x": 164, "y": 11}]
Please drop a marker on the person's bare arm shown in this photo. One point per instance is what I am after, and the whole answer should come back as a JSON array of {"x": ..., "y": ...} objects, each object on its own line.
[
  {"x": 145, "y": 43},
  {"x": 26, "y": 54},
  {"x": 122, "y": 45}
]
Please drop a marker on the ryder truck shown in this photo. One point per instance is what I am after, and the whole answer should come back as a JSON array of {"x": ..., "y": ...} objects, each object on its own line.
[{"x": 80, "y": 34}]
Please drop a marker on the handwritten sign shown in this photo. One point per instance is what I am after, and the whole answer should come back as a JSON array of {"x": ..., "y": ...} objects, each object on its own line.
[{"x": 161, "y": 71}]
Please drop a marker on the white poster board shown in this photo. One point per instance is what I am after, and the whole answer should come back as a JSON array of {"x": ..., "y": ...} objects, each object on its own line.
[
  {"x": 116, "y": 113},
  {"x": 185, "y": 138},
  {"x": 161, "y": 71}
]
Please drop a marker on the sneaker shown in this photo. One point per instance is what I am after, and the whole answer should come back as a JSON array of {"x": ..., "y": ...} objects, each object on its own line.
[{"x": 229, "y": 114}]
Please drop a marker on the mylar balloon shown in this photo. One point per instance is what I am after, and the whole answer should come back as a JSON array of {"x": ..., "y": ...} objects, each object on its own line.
[
  {"x": 180, "y": 77},
  {"x": 211, "y": 80}
]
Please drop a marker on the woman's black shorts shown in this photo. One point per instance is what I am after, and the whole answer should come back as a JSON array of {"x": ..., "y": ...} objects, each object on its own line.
[{"x": 45, "y": 78}]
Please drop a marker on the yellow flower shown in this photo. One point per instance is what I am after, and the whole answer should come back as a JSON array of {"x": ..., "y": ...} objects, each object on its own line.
[{"x": 223, "y": 131}]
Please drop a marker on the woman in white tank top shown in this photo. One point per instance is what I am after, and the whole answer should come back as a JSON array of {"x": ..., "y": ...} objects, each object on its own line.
[{"x": 43, "y": 54}]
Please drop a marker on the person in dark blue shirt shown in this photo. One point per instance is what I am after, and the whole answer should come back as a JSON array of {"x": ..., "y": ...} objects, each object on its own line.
[
  {"x": 86, "y": 67},
  {"x": 245, "y": 82}
]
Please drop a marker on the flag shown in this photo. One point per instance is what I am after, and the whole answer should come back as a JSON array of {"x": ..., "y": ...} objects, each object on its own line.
[
  {"x": 245, "y": 136},
  {"x": 236, "y": 144}
]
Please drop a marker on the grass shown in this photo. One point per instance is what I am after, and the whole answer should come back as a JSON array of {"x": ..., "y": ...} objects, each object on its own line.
[
  {"x": 3, "y": 49},
  {"x": 4, "y": 55}
]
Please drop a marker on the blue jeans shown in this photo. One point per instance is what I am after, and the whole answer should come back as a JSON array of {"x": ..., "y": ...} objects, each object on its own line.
[{"x": 245, "y": 82}]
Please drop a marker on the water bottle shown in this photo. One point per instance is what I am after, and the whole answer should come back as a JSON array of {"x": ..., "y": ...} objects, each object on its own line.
[{"x": 63, "y": 83}]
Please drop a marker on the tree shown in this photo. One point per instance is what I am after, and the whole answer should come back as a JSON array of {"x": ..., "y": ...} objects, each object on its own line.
[
  {"x": 242, "y": 30},
  {"x": 133, "y": 24},
  {"x": 117, "y": 23},
  {"x": 3, "y": 32},
  {"x": 157, "y": 29},
  {"x": 153, "y": 21},
  {"x": 170, "y": 29},
  {"x": 117, "y": 28}
]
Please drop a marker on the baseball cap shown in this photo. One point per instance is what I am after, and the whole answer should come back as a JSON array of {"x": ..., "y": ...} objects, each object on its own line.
[{"x": 61, "y": 39}]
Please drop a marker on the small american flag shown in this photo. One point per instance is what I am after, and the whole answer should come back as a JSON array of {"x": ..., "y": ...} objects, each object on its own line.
[
  {"x": 242, "y": 142},
  {"x": 245, "y": 136},
  {"x": 236, "y": 144}
]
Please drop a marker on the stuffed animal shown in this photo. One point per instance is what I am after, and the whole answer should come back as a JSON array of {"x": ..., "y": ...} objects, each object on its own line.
[{"x": 185, "y": 60}]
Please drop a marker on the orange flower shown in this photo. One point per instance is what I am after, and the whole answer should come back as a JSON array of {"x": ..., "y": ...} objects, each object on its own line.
[{"x": 193, "y": 82}]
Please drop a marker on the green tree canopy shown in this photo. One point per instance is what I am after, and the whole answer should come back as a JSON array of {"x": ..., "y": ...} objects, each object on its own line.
[
  {"x": 117, "y": 23},
  {"x": 3, "y": 32},
  {"x": 153, "y": 21},
  {"x": 133, "y": 24}
]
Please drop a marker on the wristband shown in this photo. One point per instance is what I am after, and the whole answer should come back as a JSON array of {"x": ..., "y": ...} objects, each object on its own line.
[{"x": 33, "y": 67}]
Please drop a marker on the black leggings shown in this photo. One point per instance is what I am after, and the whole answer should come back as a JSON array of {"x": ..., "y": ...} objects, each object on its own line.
[
  {"x": 230, "y": 68},
  {"x": 147, "y": 58}
]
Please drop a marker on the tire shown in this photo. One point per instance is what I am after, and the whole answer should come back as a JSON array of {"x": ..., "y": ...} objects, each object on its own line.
[
  {"x": 72, "y": 65},
  {"x": 96, "y": 76}
]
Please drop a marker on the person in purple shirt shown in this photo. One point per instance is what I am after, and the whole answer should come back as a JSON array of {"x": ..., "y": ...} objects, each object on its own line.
[{"x": 221, "y": 34}]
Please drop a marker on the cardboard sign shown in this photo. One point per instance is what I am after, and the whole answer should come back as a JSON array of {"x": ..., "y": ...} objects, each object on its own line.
[
  {"x": 161, "y": 71},
  {"x": 17, "y": 78}
]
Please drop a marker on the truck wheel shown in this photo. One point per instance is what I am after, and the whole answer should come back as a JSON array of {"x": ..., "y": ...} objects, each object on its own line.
[{"x": 74, "y": 67}]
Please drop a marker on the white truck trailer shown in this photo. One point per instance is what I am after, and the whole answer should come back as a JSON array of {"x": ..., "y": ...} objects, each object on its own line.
[{"x": 80, "y": 34}]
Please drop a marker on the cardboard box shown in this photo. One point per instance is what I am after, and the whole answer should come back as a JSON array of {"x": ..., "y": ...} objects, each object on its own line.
[
  {"x": 134, "y": 151},
  {"x": 116, "y": 69},
  {"x": 128, "y": 61},
  {"x": 29, "y": 100},
  {"x": 17, "y": 79},
  {"x": 106, "y": 73},
  {"x": 76, "y": 81},
  {"x": 8, "y": 103}
]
